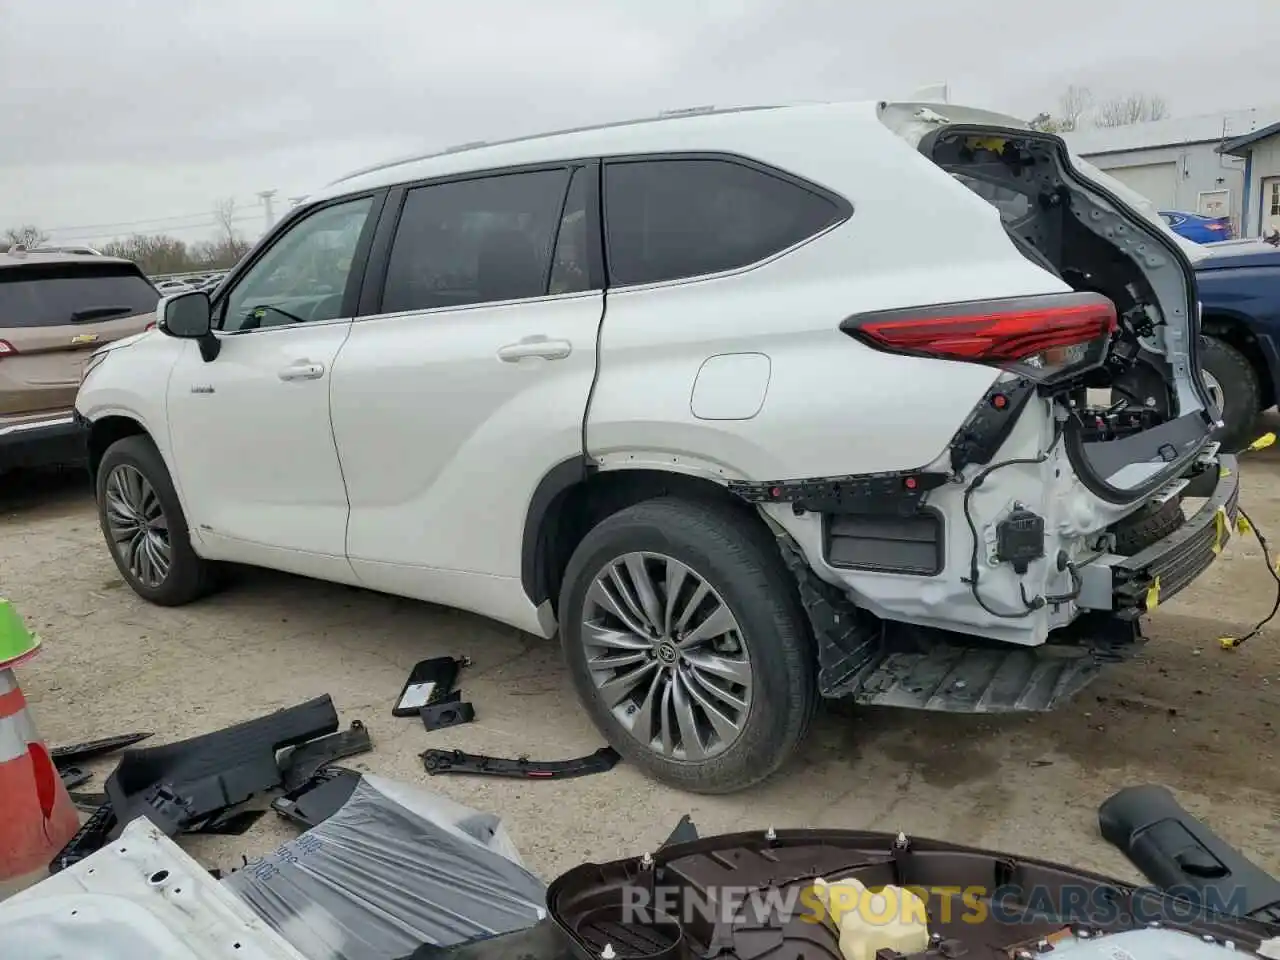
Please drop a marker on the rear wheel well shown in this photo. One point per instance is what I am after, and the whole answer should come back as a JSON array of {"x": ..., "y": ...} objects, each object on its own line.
[
  {"x": 1237, "y": 334},
  {"x": 581, "y": 505},
  {"x": 103, "y": 433}
]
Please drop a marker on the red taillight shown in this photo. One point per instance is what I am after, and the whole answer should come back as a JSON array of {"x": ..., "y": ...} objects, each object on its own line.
[
  {"x": 7, "y": 349},
  {"x": 149, "y": 326},
  {"x": 1215, "y": 226},
  {"x": 1038, "y": 337}
]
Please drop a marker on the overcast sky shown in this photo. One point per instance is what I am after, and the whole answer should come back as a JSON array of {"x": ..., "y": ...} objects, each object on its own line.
[{"x": 142, "y": 114}]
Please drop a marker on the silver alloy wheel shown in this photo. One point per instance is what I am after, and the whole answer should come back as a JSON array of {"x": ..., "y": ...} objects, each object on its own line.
[
  {"x": 139, "y": 529},
  {"x": 1214, "y": 389},
  {"x": 667, "y": 657}
]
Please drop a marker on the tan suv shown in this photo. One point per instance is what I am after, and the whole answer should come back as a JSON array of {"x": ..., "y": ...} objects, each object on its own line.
[{"x": 55, "y": 310}]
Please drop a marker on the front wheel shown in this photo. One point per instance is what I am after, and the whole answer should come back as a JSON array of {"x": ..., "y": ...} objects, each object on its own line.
[
  {"x": 687, "y": 644},
  {"x": 144, "y": 526}
]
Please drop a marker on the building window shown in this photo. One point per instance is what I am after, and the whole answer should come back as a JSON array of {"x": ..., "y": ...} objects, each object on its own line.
[{"x": 1275, "y": 198}]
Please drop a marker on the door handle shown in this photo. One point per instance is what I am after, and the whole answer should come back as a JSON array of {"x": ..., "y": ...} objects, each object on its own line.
[
  {"x": 539, "y": 347},
  {"x": 302, "y": 370}
]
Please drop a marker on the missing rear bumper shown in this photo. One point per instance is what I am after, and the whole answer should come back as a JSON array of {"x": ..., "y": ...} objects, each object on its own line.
[{"x": 1146, "y": 579}]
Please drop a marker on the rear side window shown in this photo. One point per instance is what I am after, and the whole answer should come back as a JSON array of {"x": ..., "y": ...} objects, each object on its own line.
[
  {"x": 53, "y": 295},
  {"x": 475, "y": 241},
  {"x": 669, "y": 219}
]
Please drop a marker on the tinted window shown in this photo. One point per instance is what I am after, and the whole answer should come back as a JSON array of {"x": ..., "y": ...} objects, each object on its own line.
[
  {"x": 53, "y": 295},
  {"x": 475, "y": 241},
  {"x": 681, "y": 218},
  {"x": 303, "y": 277}
]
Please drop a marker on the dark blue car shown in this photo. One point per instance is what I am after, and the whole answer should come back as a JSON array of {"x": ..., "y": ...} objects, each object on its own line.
[{"x": 1197, "y": 228}]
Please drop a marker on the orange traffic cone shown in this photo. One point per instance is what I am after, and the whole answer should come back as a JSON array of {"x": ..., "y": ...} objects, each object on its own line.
[{"x": 37, "y": 818}]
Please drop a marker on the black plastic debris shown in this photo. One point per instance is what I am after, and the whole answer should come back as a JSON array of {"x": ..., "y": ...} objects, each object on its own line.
[
  {"x": 542, "y": 941},
  {"x": 92, "y": 836},
  {"x": 458, "y": 761},
  {"x": 230, "y": 823},
  {"x": 1179, "y": 853},
  {"x": 685, "y": 832},
  {"x": 75, "y": 753},
  {"x": 179, "y": 785},
  {"x": 437, "y": 716},
  {"x": 429, "y": 682},
  {"x": 301, "y": 763},
  {"x": 73, "y": 776},
  {"x": 319, "y": 798}
]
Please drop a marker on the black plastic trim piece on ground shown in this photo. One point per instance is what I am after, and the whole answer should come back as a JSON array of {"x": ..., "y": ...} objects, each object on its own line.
[
  {"x": 181, "y": 784},
  {"x": 437, "y": 716},
  {"x": 458, "y": 761},
  {"x": 91, "y": 749},
  {"x": 93, "y": 835},
  {"x": 319, "y": 798},
  {"x": 430, "y": 681},
  {"x": 1177, "y": 852},
  {"x": 306, "y": 759}
]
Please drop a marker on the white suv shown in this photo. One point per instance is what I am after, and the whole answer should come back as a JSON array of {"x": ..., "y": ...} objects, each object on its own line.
[{"x": 753, "y": 407}]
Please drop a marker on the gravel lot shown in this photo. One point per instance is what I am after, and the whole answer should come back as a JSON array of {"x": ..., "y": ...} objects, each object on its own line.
[{"x": 1186, "y": 714}]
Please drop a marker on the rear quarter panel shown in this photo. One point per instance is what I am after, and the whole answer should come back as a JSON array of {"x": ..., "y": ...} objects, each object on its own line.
[{"x": 832, "y": 406}]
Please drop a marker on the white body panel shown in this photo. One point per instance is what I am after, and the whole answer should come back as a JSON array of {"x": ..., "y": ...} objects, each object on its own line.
[
  {"x": 254, "y": 448},
  {"x": 443, "y": 442}
]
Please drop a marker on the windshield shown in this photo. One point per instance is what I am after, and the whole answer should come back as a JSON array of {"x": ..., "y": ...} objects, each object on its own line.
[{"x": 54, "y": 295}]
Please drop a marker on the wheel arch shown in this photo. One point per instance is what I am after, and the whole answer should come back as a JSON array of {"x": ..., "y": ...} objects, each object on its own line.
[
  {"x": 574, "y": 496},
  {"x": 105, "y": 431},
  {"x": 1234, "y": 330}
]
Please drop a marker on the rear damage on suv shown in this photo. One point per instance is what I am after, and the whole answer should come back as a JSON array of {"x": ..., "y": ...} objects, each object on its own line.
[
  {"x": 56, "y": 309},
  {"x": 1007, "y": 573}
]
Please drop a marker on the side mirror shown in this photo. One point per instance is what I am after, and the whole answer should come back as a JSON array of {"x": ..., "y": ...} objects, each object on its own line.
[{"x": 188, "y": 316}]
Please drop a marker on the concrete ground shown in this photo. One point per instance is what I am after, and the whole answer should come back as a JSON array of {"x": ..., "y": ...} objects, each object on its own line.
[{"x": 1186, "y": 714}]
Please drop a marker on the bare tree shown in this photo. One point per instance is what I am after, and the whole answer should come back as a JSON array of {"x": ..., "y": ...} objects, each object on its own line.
[
  {"x": 230, "y": 246},
  {"x": 1134, "y": 108},
  {"x": 29, "y": 235},
  {"x": 1073, "y": 104}
]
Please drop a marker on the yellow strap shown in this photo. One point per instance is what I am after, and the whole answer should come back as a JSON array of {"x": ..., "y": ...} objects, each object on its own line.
[
  {"x": 1228, "y": 643},
  {"x": 1264, "y": 441},
  {"x": 1220, "y": 526},
  {"x": 1153, "y": 595},
  {"x": 1223, "y": 473},
  {"x": 1243, "y": 526}
]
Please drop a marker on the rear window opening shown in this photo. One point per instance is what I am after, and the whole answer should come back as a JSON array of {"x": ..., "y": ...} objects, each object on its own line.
[
  {"x": 63, "y": 294},
  {"x": 1138, "y": 418}
]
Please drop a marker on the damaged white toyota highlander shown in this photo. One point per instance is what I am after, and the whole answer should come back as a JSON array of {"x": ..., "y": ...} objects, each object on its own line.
[{"x": 751, "y": 407}]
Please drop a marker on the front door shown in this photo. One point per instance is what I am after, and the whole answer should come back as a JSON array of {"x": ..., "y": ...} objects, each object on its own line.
[
  {"x": 470, "y": 383},
  {"x": 252, "y": 439}
]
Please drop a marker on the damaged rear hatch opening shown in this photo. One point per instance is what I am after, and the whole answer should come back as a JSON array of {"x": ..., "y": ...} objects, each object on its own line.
[{"x": 1100, "y": 239}]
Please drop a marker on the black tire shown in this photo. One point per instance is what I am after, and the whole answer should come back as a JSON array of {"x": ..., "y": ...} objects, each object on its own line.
[
  {"x": 1152, "y": 523},
  {"x": 739, "y": 560},
  {"x": 188, "y": 576},
  {"x": 1241, "y": 392}
]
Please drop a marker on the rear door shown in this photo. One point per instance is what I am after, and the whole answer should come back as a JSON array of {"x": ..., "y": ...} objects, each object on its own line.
[
  {"x": 468, "y": 378},
  {"x": 53, "y": 314}
]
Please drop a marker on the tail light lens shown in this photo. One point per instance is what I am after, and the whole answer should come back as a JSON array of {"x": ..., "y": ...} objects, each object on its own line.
[
  {"x": 1046, "y": 339},
  {"x": 7, "y": 349}
]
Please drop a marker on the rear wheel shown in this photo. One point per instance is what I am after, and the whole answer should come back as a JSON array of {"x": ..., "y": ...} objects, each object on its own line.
[
  {"x": 687, "y": 644},
  {"x": 144, "y": 526},
  {"x": 1233, "y": 387}
]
